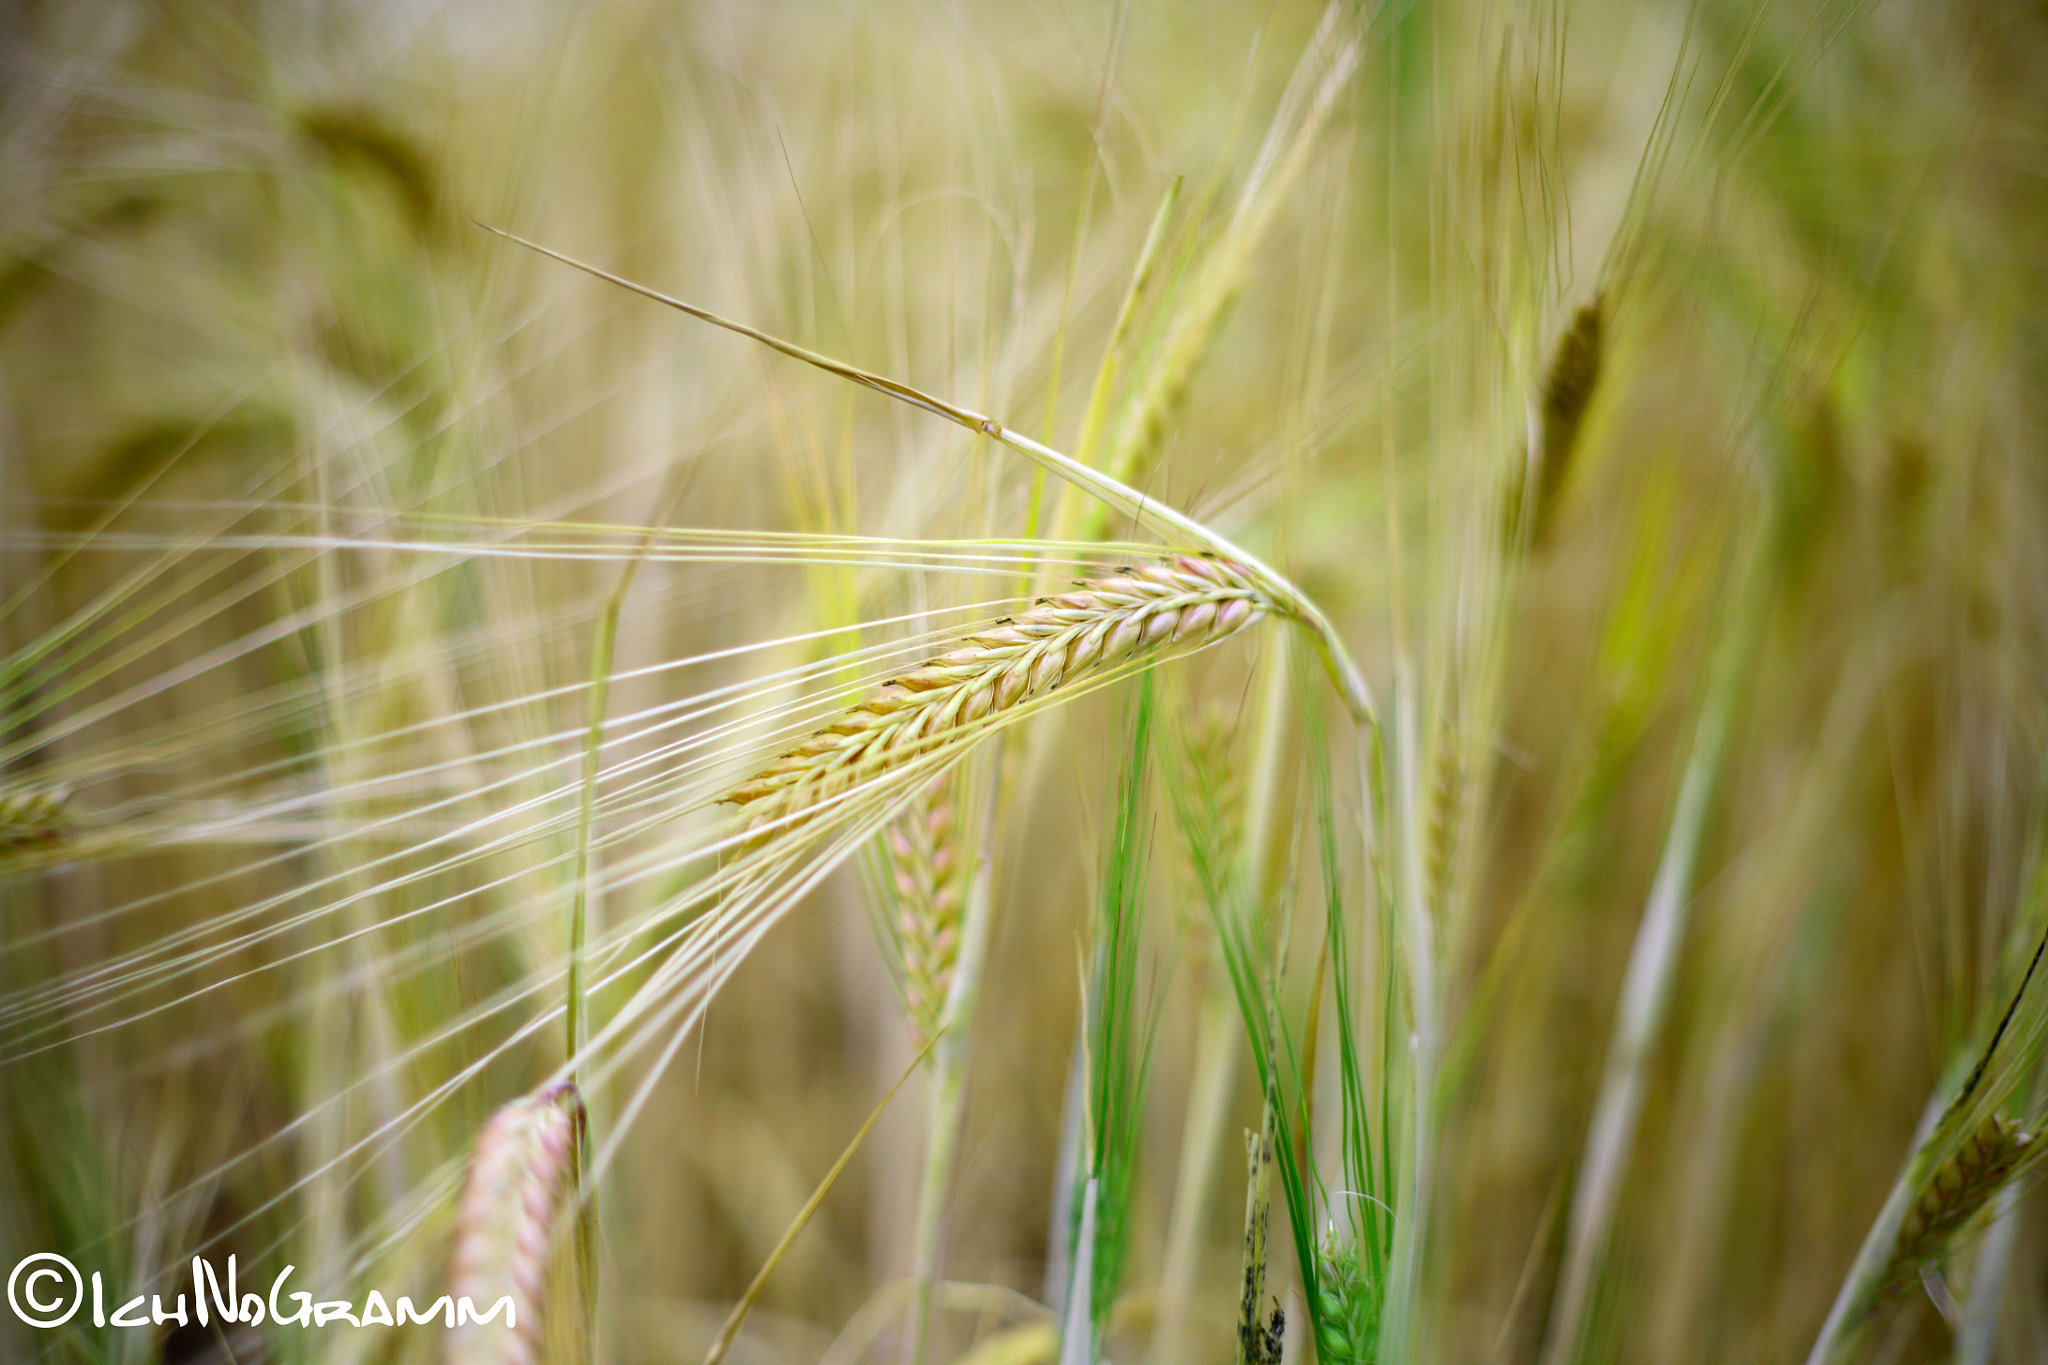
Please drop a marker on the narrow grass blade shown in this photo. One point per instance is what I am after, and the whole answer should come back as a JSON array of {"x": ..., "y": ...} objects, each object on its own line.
[{"x": 733, "y": 1320}]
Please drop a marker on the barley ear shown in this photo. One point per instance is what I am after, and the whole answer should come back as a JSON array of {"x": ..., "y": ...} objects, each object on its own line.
[
  {"x": 930, "y": 715},
  {"x": 1350, "y": 1317},
  {"x": 927, "y": 890},
  {"x": 1208, "y": 792},
  {"x": 1567, "y": 392},
  {"x": 504, "y": 1227},
  {"x": 1286, "y": 599},
  {"x": 1959, "y": 1189},
  {"x": 1447, "y": 793},
  {"x": 34, "y": 815}
]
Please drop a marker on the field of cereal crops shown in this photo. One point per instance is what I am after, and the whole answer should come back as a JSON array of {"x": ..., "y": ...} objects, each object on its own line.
[{"x": 1023, "y": 684}]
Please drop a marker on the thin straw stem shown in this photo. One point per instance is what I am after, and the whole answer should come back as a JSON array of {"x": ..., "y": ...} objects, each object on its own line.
[{"x": 949, "y": 1076}]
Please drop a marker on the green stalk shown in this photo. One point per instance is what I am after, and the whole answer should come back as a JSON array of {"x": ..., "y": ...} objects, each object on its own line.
[
  {"x": 601, "y": 653},
  {"x": 603, "y": 650},
  {"x": 577, "y": 1013},
  {"x": 1353, "y": 1292},
  {"x": 1077, "y": 1319},
  {"x": 1066, "y": 1174},
  {"x": 1119, "y": 1038},
  {"x": 1215, "y": 1064},
  {"x": 1419, "y": 947}
]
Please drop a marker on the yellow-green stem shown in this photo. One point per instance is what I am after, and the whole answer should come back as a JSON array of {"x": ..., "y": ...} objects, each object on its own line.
[
  {"x": 577, "y": 1010},
  {"x": 1417, "y": 928},
  {"x": 733, "y": 1320}
]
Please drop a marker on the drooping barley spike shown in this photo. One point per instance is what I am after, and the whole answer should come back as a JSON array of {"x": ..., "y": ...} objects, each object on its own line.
[
  {"x": 926, "y": 883},
  {"x": 1567, "y": 392},
  {"x": 504, "y": 1229},
  {"x": 1957, "y": 1192},
  {"x": 1105, "y": 623},
  {"x": 33, "y": 815}
]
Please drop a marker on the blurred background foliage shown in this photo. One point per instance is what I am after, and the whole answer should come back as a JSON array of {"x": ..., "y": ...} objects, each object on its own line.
[{"x": 272, "y": 406}]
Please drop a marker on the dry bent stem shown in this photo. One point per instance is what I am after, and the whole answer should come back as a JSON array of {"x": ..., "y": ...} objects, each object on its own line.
[{"x": 1286, "y": 600}]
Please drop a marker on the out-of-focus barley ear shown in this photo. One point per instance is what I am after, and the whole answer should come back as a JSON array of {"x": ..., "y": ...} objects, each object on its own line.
[
  {"x": 927, "y": 890},
  {"x": 1208, "y": 798},
  {"x": 1568, "y": 384},
  {"x": 34, "y": 815},
  {"x": 1211, "y": 751},
  {"x": 1567, "y": 392},
  {"x": 1984, "y": 1163},
  {"x": 1446, "y": 810},
  {"x": 1105, "y": 624},
  {"x": 1954, "y": 1171},
  {"x": 504, "y": 1227},
  {"x": 1195, "y": 314}
]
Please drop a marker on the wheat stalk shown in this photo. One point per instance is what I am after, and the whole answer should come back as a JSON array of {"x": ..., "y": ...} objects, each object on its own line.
[
  {"x": 505, "y": 1223},
  {"x": 1104, "y": 624}
]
